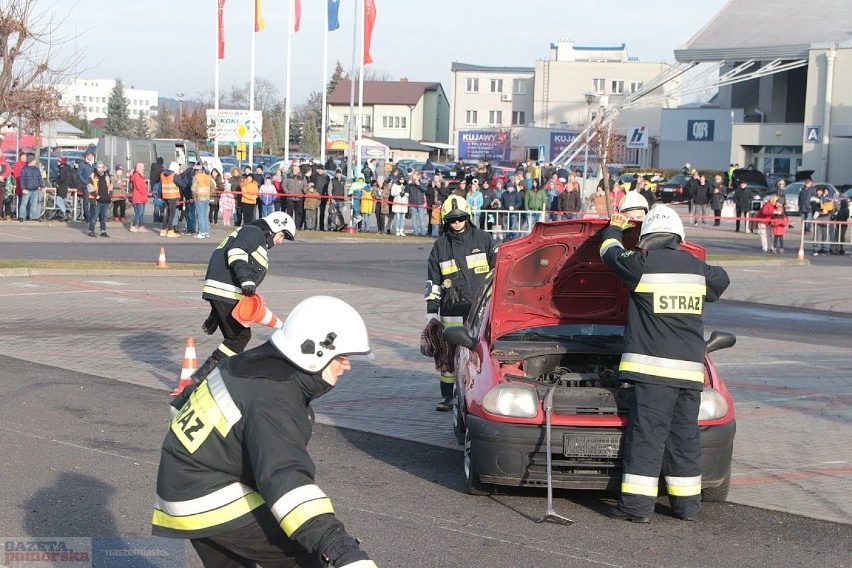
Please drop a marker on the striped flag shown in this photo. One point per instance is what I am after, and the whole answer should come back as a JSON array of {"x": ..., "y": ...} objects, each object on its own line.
[
  {"x": 259, "y": 24},
  {"x": 333, "y": 18},
  {"x": 369, "y": 21}
]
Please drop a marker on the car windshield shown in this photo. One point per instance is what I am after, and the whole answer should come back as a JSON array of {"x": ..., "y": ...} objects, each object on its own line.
[
  {"x": 679, "y": 180},
  {"x": 588, "y": 334}
]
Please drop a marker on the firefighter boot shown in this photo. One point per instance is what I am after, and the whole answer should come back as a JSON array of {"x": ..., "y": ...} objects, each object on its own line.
[
  {"x": 201, "y": 373},
  {"x": 446, "y": 403}
]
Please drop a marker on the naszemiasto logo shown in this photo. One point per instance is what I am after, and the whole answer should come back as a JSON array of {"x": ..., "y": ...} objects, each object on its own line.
[{"x": 46, "y": 552}]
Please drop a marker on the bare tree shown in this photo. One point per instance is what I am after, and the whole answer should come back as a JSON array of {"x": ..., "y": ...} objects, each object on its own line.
[{"x": 29, "y": 43}]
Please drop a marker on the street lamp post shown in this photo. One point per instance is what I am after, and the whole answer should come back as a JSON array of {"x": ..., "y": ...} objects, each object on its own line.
[
  {"x": 180, "y": 108},
  {"x": 590, "y": 98}
]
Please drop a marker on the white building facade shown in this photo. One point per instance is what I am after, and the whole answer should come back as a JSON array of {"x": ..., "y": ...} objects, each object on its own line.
[{"x": 92, "y": 97}]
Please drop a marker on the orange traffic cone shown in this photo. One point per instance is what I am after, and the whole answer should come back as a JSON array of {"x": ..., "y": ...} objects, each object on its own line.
[
  {"x": 190, "y": 364},
  {"x": 161, "y": 262},
  {"x": 801, "y": 256},
  {"x": 252, "y": 309}
]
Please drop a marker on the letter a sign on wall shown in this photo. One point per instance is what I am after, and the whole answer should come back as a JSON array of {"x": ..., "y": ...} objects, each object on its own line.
[{"x": 812, "y": 134}]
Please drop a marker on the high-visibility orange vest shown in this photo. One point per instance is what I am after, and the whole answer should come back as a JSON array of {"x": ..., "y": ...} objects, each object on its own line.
[{"x": 168, "y": 187}]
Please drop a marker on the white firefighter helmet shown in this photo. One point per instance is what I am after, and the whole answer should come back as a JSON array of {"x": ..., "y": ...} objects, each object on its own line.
[
  {"x": 633, "y": 200},
  {"x": 455, "y": 207},
  {"x": 319, "y": 329},
  {"x": 281, "y": 222},
  {"x": 662, "y": 219}
]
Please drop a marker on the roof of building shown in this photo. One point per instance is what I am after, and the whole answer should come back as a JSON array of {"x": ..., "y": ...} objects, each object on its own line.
[
  {"x": 402, "y": 144},
  {"x": 753, "y": 29},
  {"x": 384, "y": 92},
  {"x": 456, "y": 66}
]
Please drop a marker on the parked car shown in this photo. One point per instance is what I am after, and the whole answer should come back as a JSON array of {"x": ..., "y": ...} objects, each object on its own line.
[
  {"x": 552, "y": 315},
  {"x": 672, "y": 190},
  {"x": 502, "y": 174},
  {"x": 791, "y": 195},
  {"x": 652, "y": 179}
]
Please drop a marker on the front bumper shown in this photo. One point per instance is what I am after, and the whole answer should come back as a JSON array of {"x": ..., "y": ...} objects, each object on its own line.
[{"x": 515, "y": 455}]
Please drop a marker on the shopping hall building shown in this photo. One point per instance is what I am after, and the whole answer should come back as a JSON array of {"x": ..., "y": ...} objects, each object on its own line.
[{"x": 784, "y": 100}]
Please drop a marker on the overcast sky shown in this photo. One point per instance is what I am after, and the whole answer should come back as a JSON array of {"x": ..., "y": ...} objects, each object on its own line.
[{"x": 169, "y": 45}]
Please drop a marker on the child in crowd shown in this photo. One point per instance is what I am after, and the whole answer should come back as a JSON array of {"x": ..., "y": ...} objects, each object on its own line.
[
  {"x": 779, "y": 224},
  {"x": 227, "y": 204}
]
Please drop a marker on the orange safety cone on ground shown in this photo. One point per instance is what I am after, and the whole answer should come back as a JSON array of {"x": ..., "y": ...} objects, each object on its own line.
[
  {"x": 801, "y": 255},
  {"x": 252, "y": 309},
  {"x": 161, "y": 262},
  {"x": 190, "y": 364}
]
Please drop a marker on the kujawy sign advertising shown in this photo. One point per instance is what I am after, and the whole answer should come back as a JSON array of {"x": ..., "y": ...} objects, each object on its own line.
[
  {"x": 559, "y": 141},
  {"x": 484, "y": 144}
]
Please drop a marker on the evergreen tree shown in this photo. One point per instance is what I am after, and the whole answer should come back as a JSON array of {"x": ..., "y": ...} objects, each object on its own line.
[
  {"x": 118, "y": 119},
  {"x": 165, "y": 123},
  {"x": 335, "y": 78},
  {"x": 140, "y": 128},
  {"x": 310, "y": 141}
]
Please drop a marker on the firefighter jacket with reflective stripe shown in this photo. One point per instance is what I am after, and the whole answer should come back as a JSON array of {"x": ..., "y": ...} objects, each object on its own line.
[
  {"x": 239, "y": 443},
  {"x": 664, "y": 337},
  {"x": 240, "y": 258},
  {"x": 458, "y": 265},
  {"x": 168, "y": 187}
]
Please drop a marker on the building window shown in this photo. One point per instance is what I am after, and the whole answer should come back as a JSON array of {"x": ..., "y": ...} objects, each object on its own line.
[
  {"x": 471, "y": 85},
  {"x": 384, "y": 122},
  {"x": 77, "y": 98},
  {"x": 635, "y": 86},
  {"x": 518, "y": 118},
  {"x": 496, "y": 85},
  {"x": 598, "y": 86},
  {"x": 519, "y": 86},
  {"x": 616, "y": 88},
  {"x": 403, "y": 122},
  {"x": 495, "y": 117},
  {"x": 470, "y": 117}
]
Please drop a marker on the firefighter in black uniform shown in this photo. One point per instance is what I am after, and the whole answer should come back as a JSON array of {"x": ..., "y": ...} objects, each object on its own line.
[
  {"x": 461, "y": 258},
  {"x": 663, "y": 357},
  {"x": 236, "y": 268},
  {"x": 235, "y": 476}
]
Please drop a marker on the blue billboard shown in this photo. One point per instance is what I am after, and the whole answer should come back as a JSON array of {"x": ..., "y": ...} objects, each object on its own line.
[{"x": 484, "y": 144}]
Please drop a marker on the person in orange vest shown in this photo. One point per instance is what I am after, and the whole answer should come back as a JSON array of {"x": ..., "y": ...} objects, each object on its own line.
[{"x": 170, "y": 194}]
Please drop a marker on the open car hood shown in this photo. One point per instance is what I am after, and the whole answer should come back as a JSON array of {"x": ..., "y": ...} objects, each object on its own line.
[{"x": 555, "y": 276}]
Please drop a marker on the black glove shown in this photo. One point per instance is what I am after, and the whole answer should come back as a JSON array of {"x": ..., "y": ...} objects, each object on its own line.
[
  {"x": 433, "y": 306},
  {"x": 248, "y": 288}
]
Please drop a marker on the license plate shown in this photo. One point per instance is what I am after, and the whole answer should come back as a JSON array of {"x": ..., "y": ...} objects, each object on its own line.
[{"x": 592, "y": 445}]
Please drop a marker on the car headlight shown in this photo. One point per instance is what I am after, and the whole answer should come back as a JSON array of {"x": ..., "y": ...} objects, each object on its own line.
[
  {"x": 511, "y": 400},
  {"x": 713, "y": 405}
]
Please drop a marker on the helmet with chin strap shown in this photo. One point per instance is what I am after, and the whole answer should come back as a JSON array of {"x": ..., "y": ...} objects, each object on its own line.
[
  {"x": 454, "y": 208},
  {"x": 319, "y": 329},
  {"x": 662, "y": 219},
  {"x": 633, "y": 200}
]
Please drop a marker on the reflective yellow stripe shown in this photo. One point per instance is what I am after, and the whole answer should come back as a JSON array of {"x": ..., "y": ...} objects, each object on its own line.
[
  {"x": 609, "y": 243},
  {"x": 210, "y": 518},
  {"x": 452, "y": 321},
  {"x": 662, "y": 367},
  {"x": 221, "y": 293},
  {"x": 683, "y": 486},
  {"x": 215, "y": 500},
  {"x": 300, "y": 505},
  {"x": 223, "y": 399},
  {"x": 360, "y": 564},
  {"x": 679, "y": 289},
  {"x": 448, "y": 267},
  {"x": 261, "y": 259},
  {"x": 639, "y": 485},
  {"x": 478, "y": 259},
  {"x": 237, "y": 254},
  {"x": 226, "y": 351},
  {"x": 672, "y": 278}
]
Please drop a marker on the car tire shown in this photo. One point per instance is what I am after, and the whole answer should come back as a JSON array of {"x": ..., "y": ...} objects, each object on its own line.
[
  {"x": 458, "y": 418},
  {"x": 474, "y": 486},
  {"x": 719, "y": 493}
]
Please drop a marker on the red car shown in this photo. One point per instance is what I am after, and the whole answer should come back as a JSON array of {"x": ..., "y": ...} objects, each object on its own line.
[
  {"x": 552, "y": 314},
  {"x": 501, "y": 174}
]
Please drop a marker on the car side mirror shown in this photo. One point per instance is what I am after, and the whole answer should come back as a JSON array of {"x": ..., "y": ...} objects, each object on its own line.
[
  {"x": 458, "y": 335},
  {"x": 718, "y": 340}
]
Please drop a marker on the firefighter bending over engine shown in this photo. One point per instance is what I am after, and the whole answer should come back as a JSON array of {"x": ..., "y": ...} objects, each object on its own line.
[{"x": 461, "y": 258}]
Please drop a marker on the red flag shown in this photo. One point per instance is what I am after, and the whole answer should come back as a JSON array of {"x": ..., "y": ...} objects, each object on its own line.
[
  {"x": 369, "y": 21},
  {"x": 259, "y": 24},
  {"x": 221, "y": 32},
  {"x": 295, "y": 15}
]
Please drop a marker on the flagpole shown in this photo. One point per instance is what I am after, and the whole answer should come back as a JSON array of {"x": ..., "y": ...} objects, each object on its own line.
[
  {"x": 361, "y": 87},
  {"x": 251, "y": 95},
  {"x": 350, "y": 138},
  {"x": 324, "y": 90},
  {"x": 290, "y": 24},
  {"x": 216, "y": 89}
]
